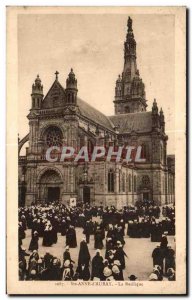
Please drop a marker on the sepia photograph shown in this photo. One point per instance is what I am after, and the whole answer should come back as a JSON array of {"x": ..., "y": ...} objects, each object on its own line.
[{"x": 97, "y": 119}]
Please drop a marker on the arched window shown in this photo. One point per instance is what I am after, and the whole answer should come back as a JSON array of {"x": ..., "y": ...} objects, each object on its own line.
[
  {"x": 161, "y": 152},
  {"x": 90, "y": 146},
  {"x": 111, "y": 181},
  {"x": 144, "y": 151},
  {"x": 163, "y": 188},
  {"x": 135, "y": 183},
  {"x": 130, "y": 184},
  {"x": 123, "y": 182}
]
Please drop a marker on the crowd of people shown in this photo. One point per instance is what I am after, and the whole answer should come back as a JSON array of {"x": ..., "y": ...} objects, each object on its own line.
[{"x": 108, "y": 225}]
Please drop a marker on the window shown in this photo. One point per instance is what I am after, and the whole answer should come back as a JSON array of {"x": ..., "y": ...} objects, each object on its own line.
[
  {"x": 111, "y": 181},
  {"x": 130, "y": 187},
  {"x": 135, "y": 183},
  {"x": 53, "y": 137},
  {"x": 123, "y": 182},
  {"x": 144, "y": 151},
  {"x": 161, "y": 152},
  {"x": 90, "y": 146}
]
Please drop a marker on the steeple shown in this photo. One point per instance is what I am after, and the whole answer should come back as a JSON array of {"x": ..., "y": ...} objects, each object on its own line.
[
  {"x": 37, "y": 93},
  {"x": 130, "y": 92},
  {"x": 71, "y": 89}
]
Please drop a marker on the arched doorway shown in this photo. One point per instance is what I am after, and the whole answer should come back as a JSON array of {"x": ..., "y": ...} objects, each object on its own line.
[{"x": 50, "y": 186}]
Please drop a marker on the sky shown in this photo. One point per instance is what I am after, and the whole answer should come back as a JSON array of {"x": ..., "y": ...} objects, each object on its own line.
[{"x": 93, "y": 46}]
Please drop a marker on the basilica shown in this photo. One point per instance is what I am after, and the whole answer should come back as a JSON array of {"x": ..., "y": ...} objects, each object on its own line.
[{"x": 62, "y": 118}]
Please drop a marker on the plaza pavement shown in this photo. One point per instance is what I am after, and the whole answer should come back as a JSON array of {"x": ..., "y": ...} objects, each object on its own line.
[{"x": 138, "y": 250}]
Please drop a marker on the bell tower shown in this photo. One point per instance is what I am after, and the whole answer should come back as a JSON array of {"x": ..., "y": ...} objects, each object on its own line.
[{"x": 130, "y": 90}]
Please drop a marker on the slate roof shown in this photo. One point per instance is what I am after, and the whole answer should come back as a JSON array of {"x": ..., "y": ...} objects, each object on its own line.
[
  {"x": 139, "y": 122},
  {"x": 93, "y": 114}
]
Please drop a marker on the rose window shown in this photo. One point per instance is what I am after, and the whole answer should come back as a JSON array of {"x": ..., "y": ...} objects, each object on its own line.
[{"x": 54, "y": 137}]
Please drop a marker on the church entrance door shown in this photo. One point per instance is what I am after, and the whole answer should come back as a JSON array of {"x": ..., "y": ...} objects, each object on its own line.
[
  {"x": 50, "y": 186},
  {"x": 146, "y": 196},
  {"x": 86, "y": 195},
  {"x": 53, "y": 194}
]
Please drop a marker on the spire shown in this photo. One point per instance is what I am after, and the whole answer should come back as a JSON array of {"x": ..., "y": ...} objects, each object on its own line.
[
  {"x": 129, "y": 24},
  {"x": 130, "y": 89},
  {"x": 130, "y": 43}
]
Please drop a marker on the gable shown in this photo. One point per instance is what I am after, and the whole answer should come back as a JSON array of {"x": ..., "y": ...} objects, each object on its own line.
[{"x": 55, "y": 96}]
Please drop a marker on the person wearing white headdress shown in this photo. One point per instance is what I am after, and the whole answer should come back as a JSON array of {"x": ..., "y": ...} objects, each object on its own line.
[{"x": 153, "y": 277}]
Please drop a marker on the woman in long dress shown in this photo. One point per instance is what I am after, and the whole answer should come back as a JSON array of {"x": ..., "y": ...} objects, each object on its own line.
[
  {"x": 98, "y": 238},
  {"x": 71, "y": 239},
  {"x": 97, "y": 266},
  {"x": 34, "y": 242},
  {"x": 83, "y": 261}
]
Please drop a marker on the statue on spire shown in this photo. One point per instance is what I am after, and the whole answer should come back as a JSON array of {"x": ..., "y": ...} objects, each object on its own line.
[{"x": 129, "y": 24}]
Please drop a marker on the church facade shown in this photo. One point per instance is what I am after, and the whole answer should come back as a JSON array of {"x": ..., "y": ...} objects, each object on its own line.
[{"x": 62, "y": 118}]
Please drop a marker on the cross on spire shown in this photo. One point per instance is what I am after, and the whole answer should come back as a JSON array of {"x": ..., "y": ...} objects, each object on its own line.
[{"x": 56, "y": 75}]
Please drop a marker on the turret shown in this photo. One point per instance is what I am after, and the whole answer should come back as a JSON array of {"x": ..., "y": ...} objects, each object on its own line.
[
  {"x": 162, "y": 120},
  {"x": 118, "y": 88},
  {"x": 71, "y": 89},
  {"x": 37, "y": 93}
]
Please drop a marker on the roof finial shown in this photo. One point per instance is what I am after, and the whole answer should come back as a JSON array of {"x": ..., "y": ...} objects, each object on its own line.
[{"x": 56, "y": 75}]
